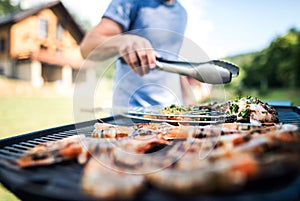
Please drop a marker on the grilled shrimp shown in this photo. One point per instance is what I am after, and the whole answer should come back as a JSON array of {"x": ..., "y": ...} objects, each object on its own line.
[
  {"x": 105, "y": 130},
  {"x": 218, "y": 176},
  {"x": 77, "y": 147},
  {"x": 52, "y": 152},
  {"x": 103, "y": 180}
]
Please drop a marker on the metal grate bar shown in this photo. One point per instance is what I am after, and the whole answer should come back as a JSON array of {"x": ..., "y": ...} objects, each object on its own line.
[
  {"x": 53, "y": 137},
  {"x": 21, "y": 146},
  {"x": 28, "y": 144},
  {"x": 49, "y": 138},
  {"x": 69, "y": 132},
  {"x": 34, "y": 142},
  {"x": 40, "y": 140},
  {"x": 63, "y": 135},
  {"x": 85, "y": 130},
  {"x": 8, "y": 157},
  {"x": 14, "y": 149},
  {"x": 290, "y": 118},
  {"x": 10, "y": 153}
]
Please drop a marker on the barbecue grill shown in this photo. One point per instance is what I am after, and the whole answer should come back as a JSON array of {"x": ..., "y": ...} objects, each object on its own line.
[{"x": 60, "y": 182}]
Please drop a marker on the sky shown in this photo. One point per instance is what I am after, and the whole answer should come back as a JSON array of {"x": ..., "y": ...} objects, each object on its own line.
[{"x": 220, "y": 27}]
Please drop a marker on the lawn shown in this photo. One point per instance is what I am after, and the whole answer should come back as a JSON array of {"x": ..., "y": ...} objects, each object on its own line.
[
  {"x": 25, "y": 109},
  {"x": 285, "y": 94},
  {"x": 26, "y": 114}
]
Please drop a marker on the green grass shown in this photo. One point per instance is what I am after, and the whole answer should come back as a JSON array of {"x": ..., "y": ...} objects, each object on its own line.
[
  {"x": 284, "y": 94},
  {"x": 5, "y": 195},
  {"x": 24, "y": 114}
]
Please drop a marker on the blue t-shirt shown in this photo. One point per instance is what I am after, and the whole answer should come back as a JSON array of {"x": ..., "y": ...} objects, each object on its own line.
[{"x": 163, "y": 24}]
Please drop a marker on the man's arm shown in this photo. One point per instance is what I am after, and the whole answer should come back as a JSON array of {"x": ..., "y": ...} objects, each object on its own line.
[
  {"x": 107, "y": 40},
  {"x": 96, "y": 40}
]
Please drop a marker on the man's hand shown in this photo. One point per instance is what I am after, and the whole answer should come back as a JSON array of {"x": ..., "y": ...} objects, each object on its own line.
[
  {"x": 138, "y": 53},
  {"x": 106, "y": 40}
]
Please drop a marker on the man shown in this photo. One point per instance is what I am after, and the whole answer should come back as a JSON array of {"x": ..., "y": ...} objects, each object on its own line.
[{"x": 140, "y": 31}]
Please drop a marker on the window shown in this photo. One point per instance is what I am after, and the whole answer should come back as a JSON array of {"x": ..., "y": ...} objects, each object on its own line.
[
  {"x": 2, "y": 45},
  {"x": 59, "y": 32},
  {"x": 43, "y": 28}
]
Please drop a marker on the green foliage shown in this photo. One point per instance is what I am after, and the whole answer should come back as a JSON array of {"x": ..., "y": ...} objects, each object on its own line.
[
  {"x": 276, "y": 66},
  {"x": 6, "y": 7}
]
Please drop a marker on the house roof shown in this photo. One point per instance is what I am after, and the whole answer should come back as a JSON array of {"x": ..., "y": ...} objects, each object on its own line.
[{"x": 57, "y": 7}]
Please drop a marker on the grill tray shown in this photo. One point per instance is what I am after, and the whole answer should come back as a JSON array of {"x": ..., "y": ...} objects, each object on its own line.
[{"x": 60, "y": 182}]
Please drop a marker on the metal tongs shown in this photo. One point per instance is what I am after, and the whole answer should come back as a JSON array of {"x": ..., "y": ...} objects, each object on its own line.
[{"x": 212, "y": 71}]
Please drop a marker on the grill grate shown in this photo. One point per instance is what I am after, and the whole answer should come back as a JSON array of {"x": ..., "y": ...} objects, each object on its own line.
[
  {"x": 290, "y": 117},
  {"x": 61, "y": 181},
  {"x": 15, "y": 150}
]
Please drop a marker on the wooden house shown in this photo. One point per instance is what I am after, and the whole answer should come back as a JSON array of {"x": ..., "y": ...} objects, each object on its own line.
[{"x": 41, "y": 44}]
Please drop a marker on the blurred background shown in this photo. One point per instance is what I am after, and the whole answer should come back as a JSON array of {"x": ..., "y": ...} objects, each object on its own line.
[{"x": 40, "y": 60}]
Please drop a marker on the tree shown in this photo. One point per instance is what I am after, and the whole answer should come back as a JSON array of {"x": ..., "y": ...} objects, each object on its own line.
[
  {"x": 277, "y": 65},
  {"x": 7, "y": 7}
]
